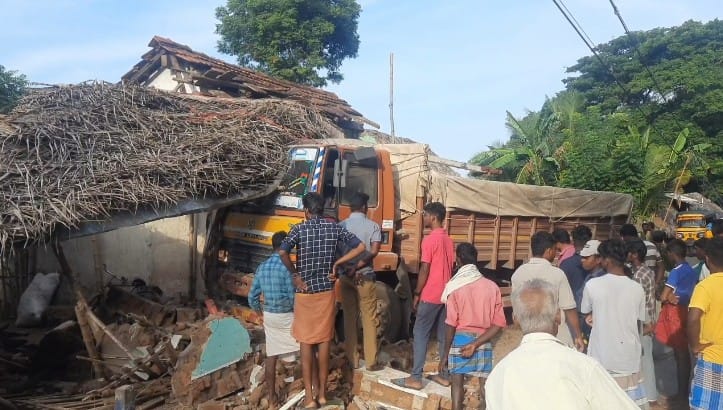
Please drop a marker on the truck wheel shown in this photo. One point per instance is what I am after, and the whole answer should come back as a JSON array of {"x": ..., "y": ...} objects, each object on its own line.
[{"x": 388, "y": 314}]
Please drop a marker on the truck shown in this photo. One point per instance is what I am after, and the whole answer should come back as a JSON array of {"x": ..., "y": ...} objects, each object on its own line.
[{"x": 498, "y": 218}]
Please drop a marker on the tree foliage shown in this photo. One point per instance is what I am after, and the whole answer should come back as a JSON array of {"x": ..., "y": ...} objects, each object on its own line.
[
  {"x": 304, "y": 41},
  {"x": 664, "y": 132},
  {"x": 12, "y": 87}
]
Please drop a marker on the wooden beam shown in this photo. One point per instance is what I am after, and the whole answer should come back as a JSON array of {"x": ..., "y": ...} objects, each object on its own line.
[
  {"x": 470, "y": 228},
  {"x": 513, "y": 242},
  {"x": 496, "y": 243}
]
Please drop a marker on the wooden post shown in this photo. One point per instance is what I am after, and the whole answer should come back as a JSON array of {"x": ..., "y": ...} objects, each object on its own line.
[
  {"x": 193, "y": 245},
  {"x": 513, "y": 243},
  {"x": 88, "y": 340},
  {"x": 496, "y": 243},
  {"x": 125, "y": 398}
]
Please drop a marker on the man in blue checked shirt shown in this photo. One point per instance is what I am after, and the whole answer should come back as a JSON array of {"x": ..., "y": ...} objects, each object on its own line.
[{"x": 273, "y": 280}]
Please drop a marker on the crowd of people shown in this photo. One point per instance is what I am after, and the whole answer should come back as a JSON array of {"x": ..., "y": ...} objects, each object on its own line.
[{"x": 589, "y": 312}]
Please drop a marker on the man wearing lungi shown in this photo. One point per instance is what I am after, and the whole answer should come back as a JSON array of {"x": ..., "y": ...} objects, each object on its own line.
[
  {"x": 705, "y": 333},
  {"x": 316, "y": 241},
  {"x": 273, "y": 280},
  {"x": 615, "y": 305},
  {"x": 474, "y": 316},
  {"x": 435, "y": 271}
]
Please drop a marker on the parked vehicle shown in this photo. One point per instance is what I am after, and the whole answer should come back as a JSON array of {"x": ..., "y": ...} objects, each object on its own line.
[
  {"x": 497, "y": 217},
  {"x": 693, "y": 225}
]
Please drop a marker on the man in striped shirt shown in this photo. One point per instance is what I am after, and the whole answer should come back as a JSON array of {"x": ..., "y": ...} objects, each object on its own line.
[{"x": 653, "y": 259}]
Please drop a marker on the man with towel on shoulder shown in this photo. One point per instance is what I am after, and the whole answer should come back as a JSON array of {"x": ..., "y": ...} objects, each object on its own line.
[
  {"x": 273, "y": 280},
  {"x": 474, "y": 316},
  {"x": 316, "y": 241}
]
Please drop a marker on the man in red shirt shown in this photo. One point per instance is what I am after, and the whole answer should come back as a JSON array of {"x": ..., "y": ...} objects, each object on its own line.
[
  {"x": 563, "y": 245},
  {"x": 435, "y": 271},
  {"x": 474, "y": 316}
]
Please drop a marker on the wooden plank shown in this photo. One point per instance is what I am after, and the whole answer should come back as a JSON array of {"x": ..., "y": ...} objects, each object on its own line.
[
  {"x": 513, "y": 243},
  {"x": 495, "y": 244},
  {"x": 470, "y": 228}
]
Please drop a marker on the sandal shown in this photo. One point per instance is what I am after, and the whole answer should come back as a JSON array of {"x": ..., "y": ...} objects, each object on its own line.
[{"x": 403, "y": 383}]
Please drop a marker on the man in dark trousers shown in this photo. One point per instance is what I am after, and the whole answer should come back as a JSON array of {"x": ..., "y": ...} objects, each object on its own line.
[{"x": 436, "y": 270}]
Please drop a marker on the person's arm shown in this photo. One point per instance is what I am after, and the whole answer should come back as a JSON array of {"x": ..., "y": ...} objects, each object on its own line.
[
  {"x": 289, "y": 243},
  {"x": 668, "y": 295},
  {"x": 568, "y": 304},
  {"x": 421, "y": 281},
  {"x": 693, "y": 331},
  {"x": 573, "y": 319},
  {"x": 358, "y": 250},
  {"x": 469, "y": 349},
  {"x": 699, "y": 305},
  {"x": 659, "y": 272},
  {"x": 255, "y": 295},
  {"x": 369, "y": 256},
  {"x": 449, "y": 333}
]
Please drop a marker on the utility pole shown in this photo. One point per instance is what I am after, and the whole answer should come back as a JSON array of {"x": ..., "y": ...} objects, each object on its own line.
[{"x": 391, "y": 96}]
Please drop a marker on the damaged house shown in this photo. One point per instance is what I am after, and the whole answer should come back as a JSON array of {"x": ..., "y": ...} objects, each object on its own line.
[{"x": 115, "y": 188}]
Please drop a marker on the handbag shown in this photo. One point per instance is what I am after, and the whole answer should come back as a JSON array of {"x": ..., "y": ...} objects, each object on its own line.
[{"x": 670, "y": 328}]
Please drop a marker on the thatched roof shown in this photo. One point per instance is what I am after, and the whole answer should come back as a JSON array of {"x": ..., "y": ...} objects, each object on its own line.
[
  {"x": 199, "y": 73},
  {"x": 74, "y": 154}
]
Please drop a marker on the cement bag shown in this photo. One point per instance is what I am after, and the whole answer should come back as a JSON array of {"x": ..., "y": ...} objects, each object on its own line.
[{"x": 36, "y": 299}]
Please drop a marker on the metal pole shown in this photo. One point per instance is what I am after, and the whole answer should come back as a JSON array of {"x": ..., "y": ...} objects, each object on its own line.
[{"x": 391, "y": 96}]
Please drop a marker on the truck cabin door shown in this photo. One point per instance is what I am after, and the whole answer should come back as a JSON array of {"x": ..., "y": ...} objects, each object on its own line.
[{"x": 356, "y": 171}]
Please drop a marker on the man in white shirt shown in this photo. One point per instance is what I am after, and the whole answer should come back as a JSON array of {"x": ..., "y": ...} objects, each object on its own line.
[
  {"x": 540, "y": 267},
  {"x": 543, "y": 373},
  {"x": 615, "y": 305}
]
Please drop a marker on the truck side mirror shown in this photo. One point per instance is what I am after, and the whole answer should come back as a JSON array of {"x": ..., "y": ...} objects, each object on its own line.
[{"x": 340, "y": 168}]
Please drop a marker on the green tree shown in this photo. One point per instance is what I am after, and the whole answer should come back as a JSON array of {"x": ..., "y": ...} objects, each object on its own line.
[
  {"x": 12, "y": 87},
  {"x": 685, "y": 90},
  {"x": 532, "y": 154},
  {"x": 301, "y": 41}
]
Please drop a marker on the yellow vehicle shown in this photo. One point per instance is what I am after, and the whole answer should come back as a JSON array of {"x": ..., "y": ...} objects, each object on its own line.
[{"x": 693, "y": 225}]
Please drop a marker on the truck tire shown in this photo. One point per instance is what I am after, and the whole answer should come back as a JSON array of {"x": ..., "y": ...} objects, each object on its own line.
[{"x": 388, "y": 314}]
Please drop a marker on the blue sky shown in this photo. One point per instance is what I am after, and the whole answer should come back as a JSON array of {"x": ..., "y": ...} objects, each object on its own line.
[{"x": 459, "y": 65}]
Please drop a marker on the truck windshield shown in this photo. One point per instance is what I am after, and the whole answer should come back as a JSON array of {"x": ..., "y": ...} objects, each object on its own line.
[
  {"x": 691, "y": 223},
  {"x": 297, "y": 181}
]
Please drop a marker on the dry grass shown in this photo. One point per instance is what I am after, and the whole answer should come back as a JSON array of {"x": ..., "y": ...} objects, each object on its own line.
[{"x": 76, "y": 153}]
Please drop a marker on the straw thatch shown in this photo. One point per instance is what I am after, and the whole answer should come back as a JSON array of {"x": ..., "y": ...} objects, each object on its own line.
[{"x": 71, "y": 154}]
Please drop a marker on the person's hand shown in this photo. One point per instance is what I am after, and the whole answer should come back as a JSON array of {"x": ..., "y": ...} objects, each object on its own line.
[
  {"x": 468, "y": 350},
  {"x": 674, "y": 299},
  {"x": 648, "y": 329},
  {"x": 299, "y": 283},
  {"x": 580, "y": 344},
  {"x": 443, "y": 363},
  {"x": 700, "y": 347},
  {"x": 358, "y": 278},
  {"x": 588, "y": 320},
  {"x": 415, "y": 303}
]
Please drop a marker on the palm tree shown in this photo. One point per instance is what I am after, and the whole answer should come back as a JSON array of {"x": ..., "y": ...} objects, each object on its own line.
[{"x": 529, "y": 156}]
